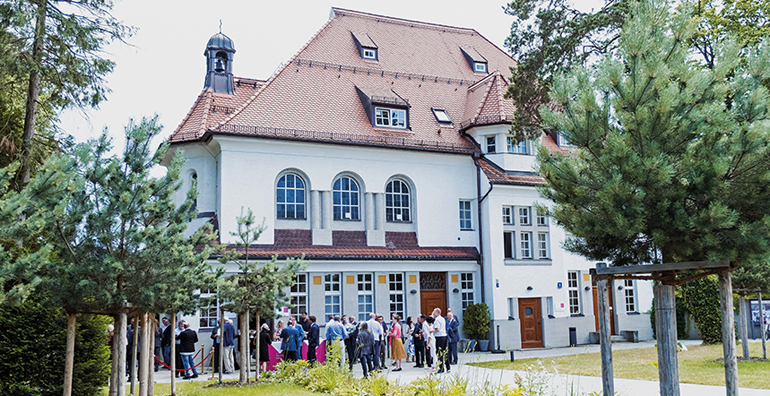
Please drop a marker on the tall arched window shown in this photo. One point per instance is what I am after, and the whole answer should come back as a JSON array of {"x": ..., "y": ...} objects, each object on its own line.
[
  {"x": 346, "y": 203},
  {"x": 397, "y": 202},
  {"x": 194, "y": 184},
  {"x": 290, "y": 197}
]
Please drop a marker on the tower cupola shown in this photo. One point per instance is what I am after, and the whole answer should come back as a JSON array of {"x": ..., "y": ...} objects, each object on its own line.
[{"x": 219, "y": 64}]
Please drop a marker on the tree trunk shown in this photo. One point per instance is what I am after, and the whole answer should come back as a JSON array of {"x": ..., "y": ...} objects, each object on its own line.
[
  {"x": 134, "y": 350},
  {"x": 728, "y": 332},
  {"x": 256, "y": 348},
  {"x": 243, "y": 342},
  {"x": 143, "y": 355},
  {"x": 605, "y": 343},
  {"x": 744, "y": 329},
  {"x": 665, "y": 325},
  {"x": 151, "y": 371},
  {"x": 115, "y": 346},
  {"x": 221, "y": 344},
  {"x": 69, "y": 359},
  {"x": 172, "y": 359},
  {"x": 33, "y": 92},
  {"x": 121, "y": 341}
]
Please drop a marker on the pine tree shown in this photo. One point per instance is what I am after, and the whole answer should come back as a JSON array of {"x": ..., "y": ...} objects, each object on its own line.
[{"x": 257, "y": 288}]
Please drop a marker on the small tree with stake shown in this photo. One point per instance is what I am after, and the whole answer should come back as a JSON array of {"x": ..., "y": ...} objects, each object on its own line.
[{"x": 255, "y": 288}]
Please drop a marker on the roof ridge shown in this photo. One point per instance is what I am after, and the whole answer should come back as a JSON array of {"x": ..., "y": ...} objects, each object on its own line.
[
  {"x": 484, "y": 100},
  {"x": 273, "y": 77},
  {"x": 401, "y": 21},
  {"x": 189, "y": 113},
  {"x": 501, "y": 93},
  {"x": 475, "y": 85},
  {"x": 205, "y": 116}
]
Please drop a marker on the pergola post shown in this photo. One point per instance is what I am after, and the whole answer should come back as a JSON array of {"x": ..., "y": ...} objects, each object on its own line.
[
  {"x": 728, "y": 332},
  {"x": 762, "y": 325},
  {"x": 742, "y": 327},
  {"x": 604, "y": 287},
  {"x": 665, "y": 327}
]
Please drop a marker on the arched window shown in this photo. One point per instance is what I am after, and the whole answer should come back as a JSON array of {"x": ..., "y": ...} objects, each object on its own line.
[
  {"x": 290, "y": 197},
  {"x": 346, "y": 206},
  {"x": 194, "y": 184},
  {"x": 397, "y": 202}
]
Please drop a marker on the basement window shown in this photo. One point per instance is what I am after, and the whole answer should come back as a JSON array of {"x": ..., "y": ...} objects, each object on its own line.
[
  {"x": 390, "y": 118},
  {"x": 441, "y": 115}
]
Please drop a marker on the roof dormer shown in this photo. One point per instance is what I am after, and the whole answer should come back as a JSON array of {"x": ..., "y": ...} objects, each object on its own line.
[
  {"x": 367, "y": 49},
  {"x": 385, "y": 108},
  {"x": 477, "y": 62}
]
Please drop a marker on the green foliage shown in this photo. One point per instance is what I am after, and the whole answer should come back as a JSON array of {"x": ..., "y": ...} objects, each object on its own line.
[
  {"x": 255, "y": 287},
  {"x": 476, "y": 321},
  {"x": 681, "y": 319},
  {"x": 32, "y": 345},
  {"x": 702, "y": 300},
  {"x": 665, "y": 170}
]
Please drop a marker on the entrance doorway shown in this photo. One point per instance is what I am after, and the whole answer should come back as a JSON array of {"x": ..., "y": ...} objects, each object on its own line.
[
  {"x": 612, "y": 310},
  {"x": 531, "y": 323},
  {"x": 432, "y": 292}
]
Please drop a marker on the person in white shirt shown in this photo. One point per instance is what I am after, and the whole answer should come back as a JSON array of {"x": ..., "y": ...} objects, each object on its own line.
[
  {"x": 439, "y": 327},
  {"x": 376, "y": 329},
  {"x": 430, "y": 340}
]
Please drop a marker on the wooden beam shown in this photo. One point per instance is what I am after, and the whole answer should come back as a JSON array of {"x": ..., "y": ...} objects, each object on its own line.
[
  {"x": 605, "y": 342},
  {"x": 762, "y": 325},
  {"x": 653, "y": 268},
  {"x": 665, "y": 326},
  {"x": 742, "y": 327},
  {"x": 120, "y": 339},
  {"x": 728, "y": 333},
  {"x": 172, "y": 359}
]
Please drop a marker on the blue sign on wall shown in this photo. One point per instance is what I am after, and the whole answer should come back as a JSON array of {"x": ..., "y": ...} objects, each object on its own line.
[{"x": 558, "y": 285}]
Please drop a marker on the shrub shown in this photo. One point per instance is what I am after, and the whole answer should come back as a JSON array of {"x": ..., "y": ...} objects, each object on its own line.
[
  {"x": 681, "y": 319},
  {"x": 702, "y": 300},
  {"x": 476, "y": 321},
  {"x": 32, "y": 347}
]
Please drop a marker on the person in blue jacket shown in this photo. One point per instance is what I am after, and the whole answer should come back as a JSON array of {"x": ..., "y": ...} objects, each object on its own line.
[
  {"x": 289, "y": 343},
  {"x": 313, "y": 339},
  {"x": 300, "y": 337}
]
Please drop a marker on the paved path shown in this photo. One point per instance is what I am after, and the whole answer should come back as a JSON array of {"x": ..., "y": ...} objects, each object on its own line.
[{"x": 560, "y": 384}]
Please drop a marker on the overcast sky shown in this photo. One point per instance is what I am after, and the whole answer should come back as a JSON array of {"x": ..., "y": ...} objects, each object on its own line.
[{"x": 163, "y": 69}]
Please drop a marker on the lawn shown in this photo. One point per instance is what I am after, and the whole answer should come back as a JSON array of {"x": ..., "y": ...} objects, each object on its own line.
[
  {"x": 197, "y": 389},
  {"x": 697, "y": 365}
]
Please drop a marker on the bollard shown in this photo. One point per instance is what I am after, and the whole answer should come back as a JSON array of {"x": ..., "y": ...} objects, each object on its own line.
[{"x": 512, "y": 357}]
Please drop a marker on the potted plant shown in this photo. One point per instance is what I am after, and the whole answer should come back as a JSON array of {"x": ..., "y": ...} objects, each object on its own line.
[{"x": 476, "y": 321}]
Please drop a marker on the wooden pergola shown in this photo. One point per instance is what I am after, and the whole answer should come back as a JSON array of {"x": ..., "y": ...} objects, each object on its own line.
[{"x": 667, "y": 277}]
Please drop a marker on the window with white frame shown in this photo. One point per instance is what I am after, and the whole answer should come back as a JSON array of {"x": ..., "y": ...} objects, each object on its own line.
[
  {"x": 365, "y": 296},
  {"x": 299, "y": 294},
  {"x": 465, "y": 215},
  {"x": 517, "y": 148},
  {"x": 511, "y": 308},
  {"x": 332, "y": 295},
  {"x": 491, "y": 144},
  {"x": 396, "y": 290},
  {"x": 397, "y": 202},
  {"x": 525, "y": 245},
  {"x": 508, "y": 244},
  {"x": 542, "y": 219},
  {"x": 479, "y": 67},
  {"x": 467, "y": 289},
  {"x": 573, "y": 290},
  {"x": 630, "y": 292},
  {"x": 290, "y": 197},
  {"x": 507, "y": 215},
  {"x": 441, "y": 115},
  {"x": 369, "y": 53},
  {"x": 542, "y": 245},
  {"x": 208, "y": 316},
  {"x": 346, "y": 199},
  {"x": 391, "y": 118},
  {"x": 525, "y": 216}
]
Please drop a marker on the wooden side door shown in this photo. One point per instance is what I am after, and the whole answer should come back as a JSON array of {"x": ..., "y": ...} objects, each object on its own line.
[
  {"x": 432, "y": 292},
  {"x": 531, "y": 323},
  {"x": 596, "y": 310}
]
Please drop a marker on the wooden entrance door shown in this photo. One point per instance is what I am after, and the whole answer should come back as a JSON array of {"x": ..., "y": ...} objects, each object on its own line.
[
  {"x": 432, "y": 292},
  {"x": 612, "y": 310},
  {"x": 531, "y": 323}
]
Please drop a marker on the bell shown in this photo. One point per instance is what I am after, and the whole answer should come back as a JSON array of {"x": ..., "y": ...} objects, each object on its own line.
[{"x": 219, "y": 67}]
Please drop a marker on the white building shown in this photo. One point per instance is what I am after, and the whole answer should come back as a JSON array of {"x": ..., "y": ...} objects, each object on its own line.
[{"x": 380, "y": 151}]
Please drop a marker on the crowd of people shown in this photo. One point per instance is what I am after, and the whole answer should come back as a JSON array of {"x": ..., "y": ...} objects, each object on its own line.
[{"x": 430, "y": 342}]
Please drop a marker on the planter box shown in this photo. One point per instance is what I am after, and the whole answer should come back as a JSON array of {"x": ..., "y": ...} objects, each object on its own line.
[{"x": 484, "y": 345}]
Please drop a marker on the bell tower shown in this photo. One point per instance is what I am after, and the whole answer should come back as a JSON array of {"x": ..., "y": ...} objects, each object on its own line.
[{"x": 219, "y": 64}]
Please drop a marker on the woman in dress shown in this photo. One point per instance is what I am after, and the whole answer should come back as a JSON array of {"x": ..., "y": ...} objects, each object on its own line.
[
  {"x": 430, "y": 341},
  {"x": 396, "y": 345},
  {"x": 409, "y": 340},
  {"x": 264, "y": 344}
]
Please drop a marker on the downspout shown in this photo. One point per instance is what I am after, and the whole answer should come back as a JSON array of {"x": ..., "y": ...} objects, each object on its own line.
[{"x": 481, "y": 199}]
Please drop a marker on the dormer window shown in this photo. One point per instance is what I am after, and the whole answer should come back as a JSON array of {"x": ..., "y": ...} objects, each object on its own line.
[
  {"x": 441, "y": 115},
  {"x": 389, "y": 118},
  {"x": 369, "y": 53},
  {"x": 475, "y": 60},
  {"x": 479, "y": 67}
]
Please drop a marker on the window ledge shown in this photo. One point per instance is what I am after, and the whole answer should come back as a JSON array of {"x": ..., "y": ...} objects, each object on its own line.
[
  {"x": 291, "y": 218},
  {"x": 551, "y": 316},
  {"x": 467, "y": 229},
  {"x": 347, "y": 219},
  {"x": 578, "y": 315},
  {"x": 633, "y": 313},
  {"x": 511, "y": 318},
  {"x": 398, "y": 222},
  {"x": 545, "y": 262}
]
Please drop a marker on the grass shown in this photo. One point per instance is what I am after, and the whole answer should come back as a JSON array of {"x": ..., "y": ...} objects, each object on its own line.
[
  {"x": 697, "y": 365},
  {"x": 197, "y": 389}
]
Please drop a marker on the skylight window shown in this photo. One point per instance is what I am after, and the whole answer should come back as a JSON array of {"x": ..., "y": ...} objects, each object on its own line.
[
  {"x": 479, "y": 67},
  {"x": 369, "y": 53},
  {"x": 441, "y": 115},
  {"x": 390, "y": 118}
]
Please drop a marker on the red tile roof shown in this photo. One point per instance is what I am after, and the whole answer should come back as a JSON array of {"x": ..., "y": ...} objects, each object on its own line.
[
  {"x": 351, "y": 245},
  {"x": 498, "y": 175},
  {"x": 313, "y": 97}
]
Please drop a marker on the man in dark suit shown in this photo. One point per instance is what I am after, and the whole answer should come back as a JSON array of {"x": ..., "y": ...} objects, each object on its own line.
[
  {"x": 187, "y": 340},
  {"x": 313, "y": 335},
  {"x": 453, "y": 336},
  {"x": 418, "y": 335}
]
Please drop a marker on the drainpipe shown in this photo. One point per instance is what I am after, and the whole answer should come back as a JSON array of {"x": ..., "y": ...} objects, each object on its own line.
[{"x": 480, "y": 199}]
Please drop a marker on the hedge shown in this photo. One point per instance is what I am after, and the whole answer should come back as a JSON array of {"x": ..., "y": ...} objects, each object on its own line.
[{"x": 702, "y": 300}]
